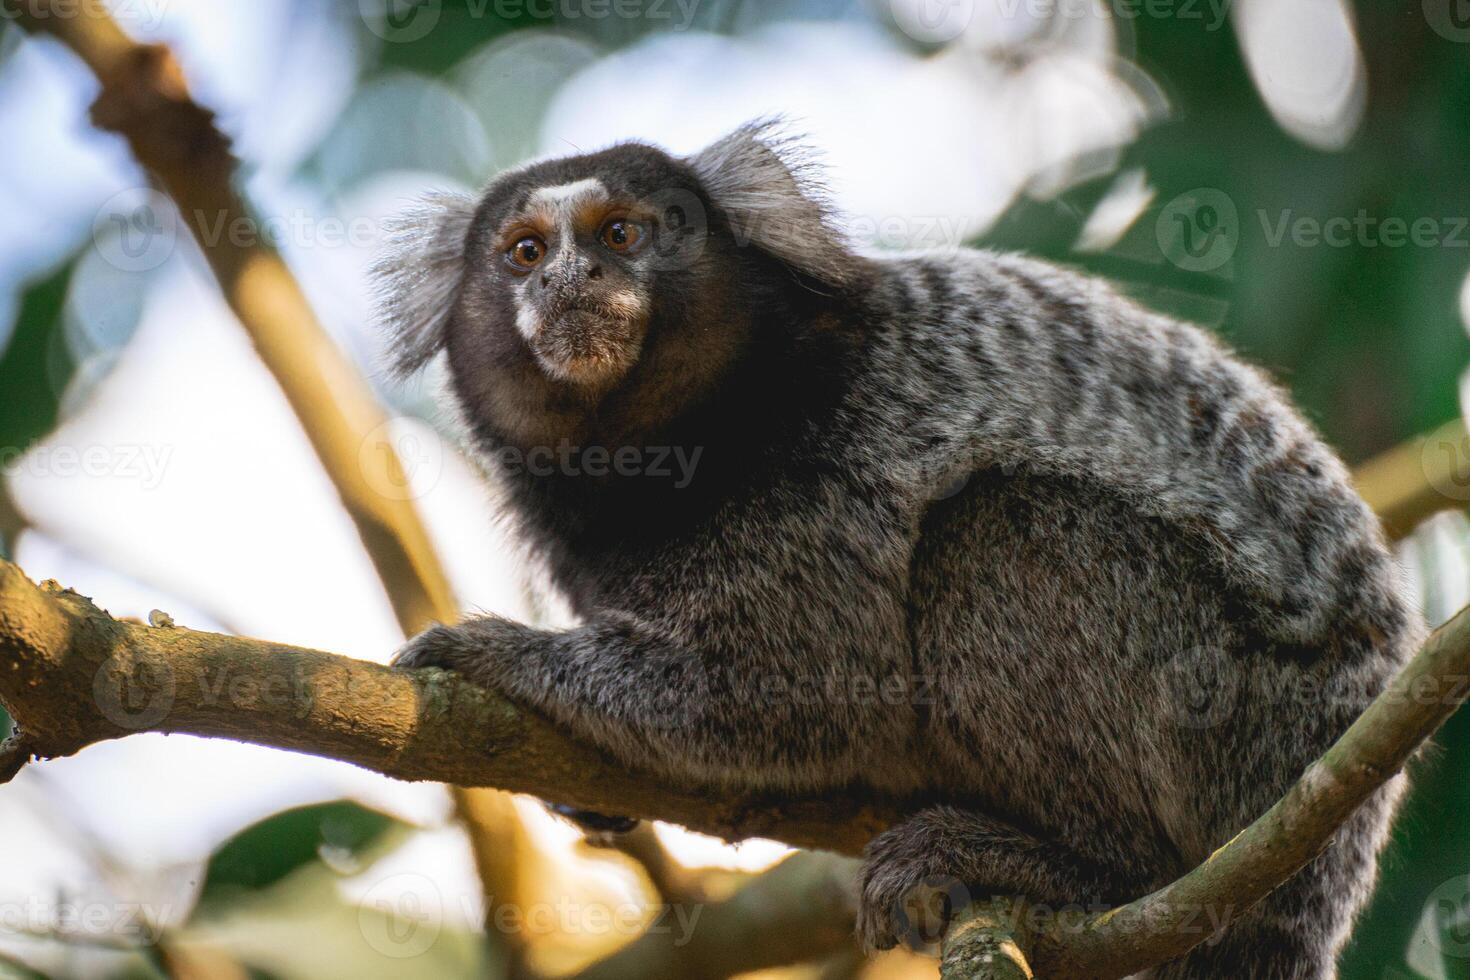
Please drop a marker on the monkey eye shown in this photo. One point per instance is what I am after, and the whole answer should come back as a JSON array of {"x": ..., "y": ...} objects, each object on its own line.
[
  {"x": 524, "y": 254},
  {"x": 622, "y": 235}
]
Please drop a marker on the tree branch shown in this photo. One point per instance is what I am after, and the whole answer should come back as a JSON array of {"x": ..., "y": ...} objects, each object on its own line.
[
  {"x": 71, "y": 675},
  {"x": 1161, "y": 926},
  {"x": 988, "y": 941},
  {"x": 145, "y": 99},
  {"x": 1420, "y": 478},
  {"x": 802, "y": 909}
]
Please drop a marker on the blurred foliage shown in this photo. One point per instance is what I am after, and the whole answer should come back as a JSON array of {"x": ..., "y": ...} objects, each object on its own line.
[
  {"x": 464, "y": 26},
  {"x": 266, "y": 852},
  {"x": 1368, "y": 337},
  {"x": 34, "y": 365},
  {"x": 273, "y": 902}
]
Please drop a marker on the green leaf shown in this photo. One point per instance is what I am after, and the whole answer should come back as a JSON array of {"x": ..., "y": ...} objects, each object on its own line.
[
  {"x": 266, "y": 852},
  {"x": 34, "y": 367}
]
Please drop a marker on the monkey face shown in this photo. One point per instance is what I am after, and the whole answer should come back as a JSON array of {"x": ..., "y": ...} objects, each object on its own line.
[
  {"x": 610, "y": 293},
  {"x": 573, "y": 252},
  {"x": 571, "y": 260}
]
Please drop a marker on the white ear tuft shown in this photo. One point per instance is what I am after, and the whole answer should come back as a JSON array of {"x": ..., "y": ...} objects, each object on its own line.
[
  {"x": 770, "y": 191},
  {"x": 419, "y": 273}
]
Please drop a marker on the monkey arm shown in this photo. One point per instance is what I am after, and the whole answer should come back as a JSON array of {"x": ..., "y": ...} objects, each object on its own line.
[{"x": 702, "y": 714}]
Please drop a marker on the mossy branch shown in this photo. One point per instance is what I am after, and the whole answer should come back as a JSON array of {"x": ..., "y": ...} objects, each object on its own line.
[{"x": 71, "y": 675}]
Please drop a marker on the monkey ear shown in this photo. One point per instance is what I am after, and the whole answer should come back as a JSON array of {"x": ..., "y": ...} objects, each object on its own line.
[
  {"x": 418, "y": 276},
  {"x": 766, "y": 184}
]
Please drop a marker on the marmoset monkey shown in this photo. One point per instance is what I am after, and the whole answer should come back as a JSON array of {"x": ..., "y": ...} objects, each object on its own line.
[{"x": 964, "y": 528}]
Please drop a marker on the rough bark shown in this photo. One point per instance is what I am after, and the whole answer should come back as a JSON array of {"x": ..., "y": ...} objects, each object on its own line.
[{"x": 71, "y": 675}]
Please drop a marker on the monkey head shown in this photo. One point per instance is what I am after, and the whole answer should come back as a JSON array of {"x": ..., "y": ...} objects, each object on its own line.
[{"x": 623, "y": 281}]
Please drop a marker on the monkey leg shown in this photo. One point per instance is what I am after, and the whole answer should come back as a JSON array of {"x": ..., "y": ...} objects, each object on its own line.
[{"x": 916, "y": 875}]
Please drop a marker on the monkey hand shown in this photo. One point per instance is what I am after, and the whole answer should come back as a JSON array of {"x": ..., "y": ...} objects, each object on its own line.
[{"x": 476, "y": 648}]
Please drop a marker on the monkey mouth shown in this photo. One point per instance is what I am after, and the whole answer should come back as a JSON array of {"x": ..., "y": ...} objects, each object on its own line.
[{"x": 584, "y": 345}]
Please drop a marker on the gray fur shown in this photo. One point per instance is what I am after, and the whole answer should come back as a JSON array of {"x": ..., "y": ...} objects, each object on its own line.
[
  {"x": 980, "y": 526},
  {"x": 771, "y": 193},
  {"x": 419, "y": 274}
]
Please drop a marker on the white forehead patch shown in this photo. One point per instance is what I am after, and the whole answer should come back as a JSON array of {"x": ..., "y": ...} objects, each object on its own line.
[
  {"x": 562, "y": 193},
  {"x": 559, "y": 204}
]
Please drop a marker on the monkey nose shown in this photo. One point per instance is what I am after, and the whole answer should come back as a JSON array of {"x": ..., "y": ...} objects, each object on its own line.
[{"x": 570, "y": 278}]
